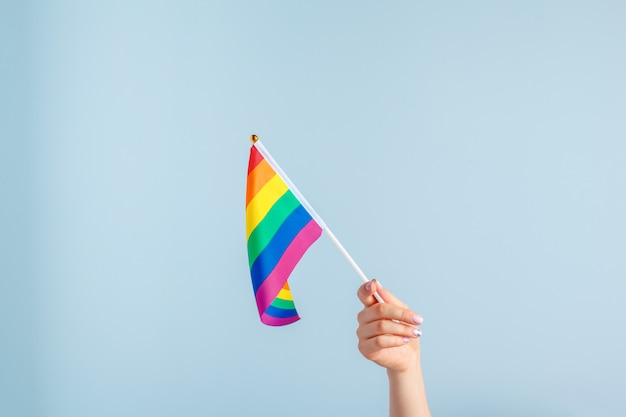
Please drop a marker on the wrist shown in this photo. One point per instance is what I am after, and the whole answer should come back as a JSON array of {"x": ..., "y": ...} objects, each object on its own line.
[{"x": 410, "y": 368}]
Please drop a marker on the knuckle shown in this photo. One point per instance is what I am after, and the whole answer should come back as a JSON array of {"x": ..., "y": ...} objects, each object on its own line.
[
  {"x": 380, "y": 326},
  {"x": 379, "y": 342},
  {"x": 387, "y": 311},
  {"x": 359, "y": 332},
  {"x": 407, "y": 316},
  {"x": 381, "y": 309},
  {"x": 360, "y": 316}
]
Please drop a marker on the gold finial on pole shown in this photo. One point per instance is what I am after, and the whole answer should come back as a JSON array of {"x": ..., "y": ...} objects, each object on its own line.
[{"x": 254, "y": 138}]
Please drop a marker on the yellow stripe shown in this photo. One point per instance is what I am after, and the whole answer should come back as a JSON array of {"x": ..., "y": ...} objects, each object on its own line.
[
  {"x": 263, "y": 202},
  {"x": 285, "y": 295}
]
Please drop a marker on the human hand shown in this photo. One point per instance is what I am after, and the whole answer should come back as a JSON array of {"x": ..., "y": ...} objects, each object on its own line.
[{"x": 388, "y": 332}]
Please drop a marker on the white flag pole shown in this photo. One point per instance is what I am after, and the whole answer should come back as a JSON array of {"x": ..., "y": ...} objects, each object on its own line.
[
  {"x": 257, "y": 143},
  {"x": 354, "y": 265}
]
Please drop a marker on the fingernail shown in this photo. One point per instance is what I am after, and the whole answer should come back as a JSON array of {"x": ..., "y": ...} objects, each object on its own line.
[
  {"x": 407, "y": 340},
  {"x": 417, "y": 319},
  {"x": 417, "y": 332},
  {"x": 368, "y": 286}
]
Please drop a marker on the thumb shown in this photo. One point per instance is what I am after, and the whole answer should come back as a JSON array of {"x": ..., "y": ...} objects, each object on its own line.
[{"x": 367, "y": 291}]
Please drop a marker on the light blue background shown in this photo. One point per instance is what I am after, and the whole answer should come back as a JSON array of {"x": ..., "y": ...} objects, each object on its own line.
[{"x": 471, "y": 155}]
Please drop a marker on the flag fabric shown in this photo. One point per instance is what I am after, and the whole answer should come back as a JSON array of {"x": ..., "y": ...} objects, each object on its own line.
[{"x": 279, "y": 230}]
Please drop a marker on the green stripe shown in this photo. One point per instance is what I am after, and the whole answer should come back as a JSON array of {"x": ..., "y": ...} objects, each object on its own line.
[
  {"x": 265, "y": 231},
  {"x": 284, "y": 304}
]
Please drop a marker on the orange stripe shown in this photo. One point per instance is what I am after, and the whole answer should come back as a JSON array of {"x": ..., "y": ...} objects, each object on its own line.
[{"x": 259, "y": 176}]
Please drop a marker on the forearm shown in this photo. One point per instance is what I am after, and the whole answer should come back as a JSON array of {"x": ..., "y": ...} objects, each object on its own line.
[{"x": 407, "y": 395}]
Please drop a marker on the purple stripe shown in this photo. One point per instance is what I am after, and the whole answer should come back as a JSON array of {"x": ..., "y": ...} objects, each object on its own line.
[
  {"x": 278, "y": 321},
  {"x": 277, "y": 278}
]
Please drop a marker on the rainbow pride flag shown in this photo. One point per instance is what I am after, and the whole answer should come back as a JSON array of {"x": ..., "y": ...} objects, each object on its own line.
[{"x": 280, "y": 227}]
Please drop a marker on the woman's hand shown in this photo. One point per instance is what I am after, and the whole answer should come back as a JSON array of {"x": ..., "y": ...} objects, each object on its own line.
[
  {"x": 389, "y": 335},
  {"x": 388, "y": 332}
]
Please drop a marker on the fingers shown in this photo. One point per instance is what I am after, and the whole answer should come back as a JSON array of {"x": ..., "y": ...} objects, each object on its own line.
[
  {"x": 385, "y": 325},
  {"x": 392, "y": 317},
  {"x": 388, "y": 311},
  {"x": 379, "y": 328},
  {"x": 370, "y": 346},
  {"x": 388, "y": 331}
]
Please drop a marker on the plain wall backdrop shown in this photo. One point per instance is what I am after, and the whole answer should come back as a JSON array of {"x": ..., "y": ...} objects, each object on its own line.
[{"x": 470, "y": 155}]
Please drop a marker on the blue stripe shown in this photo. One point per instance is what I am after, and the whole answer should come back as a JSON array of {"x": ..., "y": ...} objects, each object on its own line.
[
  {"x": 280, "y": 313},
  {"x": 267, "y": 260}
]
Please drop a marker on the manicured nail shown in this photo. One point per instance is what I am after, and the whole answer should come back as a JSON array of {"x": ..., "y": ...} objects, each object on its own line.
[
  {"x": 407, "y": 340},
  {"x": 417, "y": 319},
  {"x": 417, "y": 332},
  {"x": 368, "y": 286}
]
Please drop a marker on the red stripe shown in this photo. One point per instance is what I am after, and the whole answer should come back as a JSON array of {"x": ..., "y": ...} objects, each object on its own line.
[
  {"x": 255, "y": 158},
  {"x": 292, "y": 255}
]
